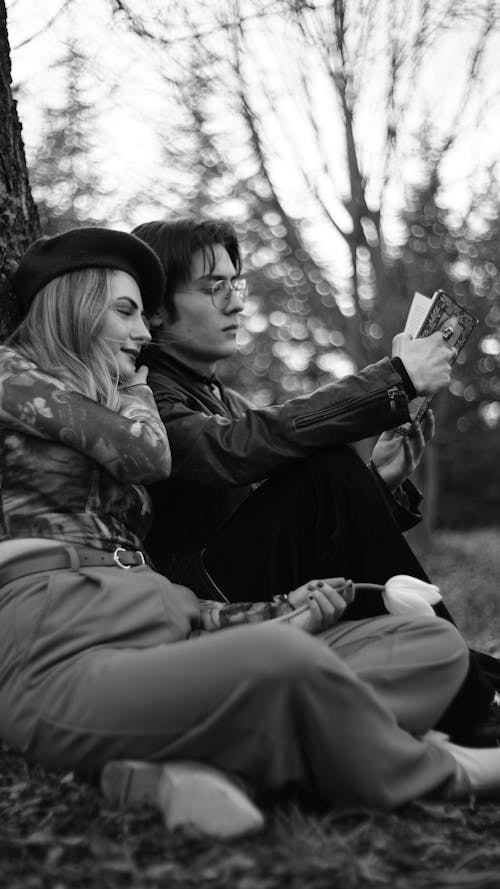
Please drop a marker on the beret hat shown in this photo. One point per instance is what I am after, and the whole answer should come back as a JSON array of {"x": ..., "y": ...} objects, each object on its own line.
[{"x": 83, "y": 248}]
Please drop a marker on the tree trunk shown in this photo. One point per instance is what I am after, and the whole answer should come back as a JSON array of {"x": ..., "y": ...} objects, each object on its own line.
[{"x": 19, "y": 224}]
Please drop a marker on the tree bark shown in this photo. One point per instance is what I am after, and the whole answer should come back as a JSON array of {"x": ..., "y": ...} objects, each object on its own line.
[{"x": 19, "y": 224}]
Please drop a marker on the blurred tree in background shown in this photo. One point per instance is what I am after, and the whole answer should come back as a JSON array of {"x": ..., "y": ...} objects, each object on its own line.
[
  {"x": 464, "y": 260},
  {"x": 270, "y": 90},
  {"x": 327, "y": 131},
  {"x": 63, "y": 174}
]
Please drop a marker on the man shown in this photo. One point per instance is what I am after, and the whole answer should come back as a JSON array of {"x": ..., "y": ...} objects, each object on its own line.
[{"x": 261, "y": 500}]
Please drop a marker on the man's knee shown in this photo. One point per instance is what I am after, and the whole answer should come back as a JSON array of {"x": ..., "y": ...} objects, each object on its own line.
[
  {"x": 330, "y": 475},
  {"x": 337, "y": 461}
]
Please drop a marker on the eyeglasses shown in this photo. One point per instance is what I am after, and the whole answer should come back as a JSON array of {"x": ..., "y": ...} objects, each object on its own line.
[{"x": 220, "y": 292}]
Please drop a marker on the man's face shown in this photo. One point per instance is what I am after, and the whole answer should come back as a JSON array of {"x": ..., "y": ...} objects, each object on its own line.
[{"x": 203, "y": 332}]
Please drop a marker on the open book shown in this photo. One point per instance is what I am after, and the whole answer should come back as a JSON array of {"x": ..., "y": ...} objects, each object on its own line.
[{"x": 427, "y": 315}]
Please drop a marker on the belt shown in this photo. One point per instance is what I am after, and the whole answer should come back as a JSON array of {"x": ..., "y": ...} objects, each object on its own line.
[{"x": 72, "y": 557}]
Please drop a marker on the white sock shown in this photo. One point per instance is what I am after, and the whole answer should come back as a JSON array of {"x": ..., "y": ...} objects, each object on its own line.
[{"x": 478, "y": 768}]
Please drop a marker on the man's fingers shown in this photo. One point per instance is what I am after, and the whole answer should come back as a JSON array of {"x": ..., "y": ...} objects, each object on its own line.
[
  {"x": 416, "y": 431},
  {"x": 416, "y": 439},
  {"x": 409, "y": 449},
  {"x": 427, "y": 361},
  {"x": 423, "y": 431},
  {"x": 428, "y": 426},
  {"x": 448, "y": 328},
  {"x": 444, "y": 335}
]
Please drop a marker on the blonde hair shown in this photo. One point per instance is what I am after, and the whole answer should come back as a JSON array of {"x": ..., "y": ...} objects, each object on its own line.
[{"x": 60, "y": 334}]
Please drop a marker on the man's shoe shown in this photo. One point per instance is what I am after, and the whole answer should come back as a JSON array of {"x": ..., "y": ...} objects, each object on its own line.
[
  {"x": 188, "y": 794},
  {"x": 482, "y": 734}
]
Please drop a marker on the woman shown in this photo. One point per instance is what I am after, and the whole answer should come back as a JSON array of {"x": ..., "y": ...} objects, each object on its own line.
[{"x": 104, "y": 661}]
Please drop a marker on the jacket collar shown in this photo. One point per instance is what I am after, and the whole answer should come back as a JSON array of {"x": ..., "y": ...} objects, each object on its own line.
[{"x": 157, "y": 359}]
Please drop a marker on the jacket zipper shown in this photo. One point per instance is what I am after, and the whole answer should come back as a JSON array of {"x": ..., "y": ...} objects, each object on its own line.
[
  {"x": 315, "y": 416},
  {"x": 391, "y": 394}
]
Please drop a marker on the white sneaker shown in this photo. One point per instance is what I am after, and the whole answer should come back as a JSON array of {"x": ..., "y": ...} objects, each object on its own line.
[{"x": 187, "y": 793}]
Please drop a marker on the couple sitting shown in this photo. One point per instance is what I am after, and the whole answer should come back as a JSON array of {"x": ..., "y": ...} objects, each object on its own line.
[
  {"x": 321, "y": 511},
  {"x": 121, "y": 670}
]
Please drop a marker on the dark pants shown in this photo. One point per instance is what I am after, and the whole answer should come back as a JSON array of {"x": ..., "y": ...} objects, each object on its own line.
[{"x": 325, "y": 517}]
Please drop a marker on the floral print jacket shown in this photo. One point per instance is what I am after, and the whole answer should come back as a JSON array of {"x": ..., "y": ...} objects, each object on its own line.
[
  {"x": 70, "y": 468},
  {"x": 73, "y": 470}
]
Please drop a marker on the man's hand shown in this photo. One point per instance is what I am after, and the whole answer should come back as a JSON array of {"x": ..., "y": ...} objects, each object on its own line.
[
  {"x": 396, "y": 456},
  {"x": 327, "y": 600},
  {"x": 427, "y": 360}
]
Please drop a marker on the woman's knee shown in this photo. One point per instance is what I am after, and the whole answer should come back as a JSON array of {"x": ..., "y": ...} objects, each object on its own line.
[
  {"x": 448, "y": 637},
  {"x": 284, "y": 652},
  {"x": 442, "y": 642}
]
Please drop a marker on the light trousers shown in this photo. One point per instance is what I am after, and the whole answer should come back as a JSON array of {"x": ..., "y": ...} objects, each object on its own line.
[{"x": 94, "y": 666}]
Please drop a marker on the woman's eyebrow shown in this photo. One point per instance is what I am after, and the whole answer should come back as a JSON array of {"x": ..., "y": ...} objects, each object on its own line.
[{"x": 129, "y": 299}]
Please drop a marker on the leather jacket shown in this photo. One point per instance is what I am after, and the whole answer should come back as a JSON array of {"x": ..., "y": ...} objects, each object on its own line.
[{"x": 223, "y": 448}]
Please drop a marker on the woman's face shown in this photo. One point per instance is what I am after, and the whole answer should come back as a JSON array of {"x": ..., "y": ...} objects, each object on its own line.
[{"x": 124, "y": 327}]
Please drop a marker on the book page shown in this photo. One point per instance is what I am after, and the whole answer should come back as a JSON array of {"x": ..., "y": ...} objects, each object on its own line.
[{"x": 418, "y": 312}]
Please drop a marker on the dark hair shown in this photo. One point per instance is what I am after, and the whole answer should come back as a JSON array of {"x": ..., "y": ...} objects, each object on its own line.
[{"x": 176, "y": 241}]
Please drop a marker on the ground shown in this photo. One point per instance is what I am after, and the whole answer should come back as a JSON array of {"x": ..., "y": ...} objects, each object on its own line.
[{"x": 56, "y": 833}]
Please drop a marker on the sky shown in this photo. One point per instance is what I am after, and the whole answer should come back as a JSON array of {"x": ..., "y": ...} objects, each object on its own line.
[{"x": 128, "y": 86}]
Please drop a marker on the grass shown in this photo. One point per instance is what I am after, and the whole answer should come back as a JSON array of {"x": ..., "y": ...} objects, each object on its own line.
[
  {"x": 466, "y": 568},
  {"x": 56, "y": 832}
]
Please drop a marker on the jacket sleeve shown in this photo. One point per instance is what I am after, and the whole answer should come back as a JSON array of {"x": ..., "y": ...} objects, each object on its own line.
[
  {"x": 219, "y": 615},
  {"x": 214, "y": 450},
  {"x": 132, "y": 444}
]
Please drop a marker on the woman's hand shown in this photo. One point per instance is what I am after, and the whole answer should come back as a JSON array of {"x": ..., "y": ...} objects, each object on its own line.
[
  {"x": 136, "y": 377},
  {"x": 326, "y": 599}
]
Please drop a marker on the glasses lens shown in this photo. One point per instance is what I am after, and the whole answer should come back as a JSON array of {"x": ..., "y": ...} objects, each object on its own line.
[
  {"x": 221, "y": 294},
  {"x": 222, "y": 290},
  {"x": 240, "y": 286}
]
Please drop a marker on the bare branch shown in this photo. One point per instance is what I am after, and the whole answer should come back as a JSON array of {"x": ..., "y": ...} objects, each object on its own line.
[
  {"x": 476, "y": 58},
  {"x": 47, "y": 25},
  {"x": 140, "y": 29}
]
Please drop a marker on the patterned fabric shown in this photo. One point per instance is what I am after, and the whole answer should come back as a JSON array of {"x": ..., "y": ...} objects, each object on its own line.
[
  {"x": 71, "y": 469},
  {"x": 219, "y": 616}
]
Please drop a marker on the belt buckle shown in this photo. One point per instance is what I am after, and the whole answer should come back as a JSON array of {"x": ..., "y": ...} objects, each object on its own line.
[{"x": 121, "y": 549}]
